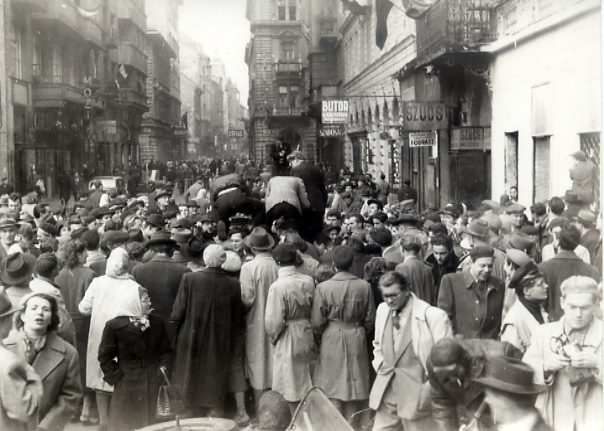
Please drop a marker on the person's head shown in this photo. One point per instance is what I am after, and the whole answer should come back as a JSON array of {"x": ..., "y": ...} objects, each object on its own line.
[
  {"x": 39, "y": 314},
  {"x": 442, "y": 246},
  {"x": 394, "y": 288},
  {"x": 374, "y": 207},
  {"x": 163, "y": 200},
  {"x": 566, "y": 237},
  {"x": 47, "y": 266},
  {"x": 585, "y": 220},
  {"x": 92, "y": 239},
  {"x": 333, "y": 217},
  {"x": 482, "y": 261},
  {"x": 529, "y": 283},
  {"x": 355, "y": 221},
  {"x": 410, "y": 244},
  {"x": 237, "y": 240},
  {"x": 342, "y": 258},
  {"x": 556, "y": 206},
  {"x": 514, "y": 192},
  {"x": 449, "y": 363},
  {"x": 578, "y": 157},
  {"x": 580, "y": 297},
  {"x": 75, "y": 253},
  {"x": 8, "y": 231},
  {"x": 14, "y": 203},
  {"x": 117, "y": 262},
  {"x": 46, "y": 231},
  {"x": 285, "y": 254},
  {"x": 214, "y": 256},
  {"x": 4, "y": 181}
]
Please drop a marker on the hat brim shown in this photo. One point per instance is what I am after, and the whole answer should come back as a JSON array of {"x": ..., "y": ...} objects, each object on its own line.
[
  {"x": 271, "y": 242},
  {"x": 163, "y": 241},
  {"x": 12, "y": 309},
  {"x": 510, "y": 387},
  {"x": 30, "y": 262}
]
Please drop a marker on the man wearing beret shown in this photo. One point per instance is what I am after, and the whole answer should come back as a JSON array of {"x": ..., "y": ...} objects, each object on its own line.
[
  {"x": 343, "y": 314},
  {"x": 417, "y": 272},
  {"x": 567, "y": 357},
  {"x": 473, "y": 298}
]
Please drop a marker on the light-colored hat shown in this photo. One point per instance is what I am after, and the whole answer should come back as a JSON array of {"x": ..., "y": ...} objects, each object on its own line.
[
  {"x": 232, "y": 263},
  {"x": 214, "y": 256}
]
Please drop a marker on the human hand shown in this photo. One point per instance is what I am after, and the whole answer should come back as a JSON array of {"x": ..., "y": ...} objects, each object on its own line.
[
  {"x": 555, "y": 362},
  {"x": 585, "y": 359}
]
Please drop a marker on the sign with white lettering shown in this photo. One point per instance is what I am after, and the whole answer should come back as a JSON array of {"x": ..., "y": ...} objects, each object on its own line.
[
  {"x": 468, "y": 139},
  {"x": 421, "y": 139},
  {"x": 334, "y": 111},
  {"x": 328, "y": 131},
  {"x": 424, "y": 116},
  {"x": 235, "y": 133}
]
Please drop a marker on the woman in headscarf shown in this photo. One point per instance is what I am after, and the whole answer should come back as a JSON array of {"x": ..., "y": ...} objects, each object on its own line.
[
  {"x": 527, "y": 313},
  {"x": 73, "y": 281},
  {"x": 102, "y": 302},
  {"x": 134, "y": 346}
]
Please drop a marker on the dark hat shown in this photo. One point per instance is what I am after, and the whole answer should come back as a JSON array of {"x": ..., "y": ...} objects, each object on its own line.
[
  {"x": 17, "y": 268},
  {"x": 428, "y": 225},
  {"x": 192, "y": 204},
  {"x": 375, "y": 201},
  {"x": 515, "y": 209},
  {"x": 171, "y": 211},
  {"x": 115, "y": 237},
  {"x": 521, "y": 273},
  {"x": 333, "y": 212},
  {"x": 509, "y": 375},
  {"x": 118, "y": 203},
  {"x": 439, "y": 228},
  {"x": 571, "y": 196},
  {"x": 160, "y": 238},
  {"x": 51, "y": 229},
  {"x": 135, "y": 202},
  {"x": 135, "y": 235},
  {"x": 446, "y": 352},
  {"x": 100, "y": 212},
  {"x": 529, "y": 230},
  {"x": 408, "y": 218},
  {"x": 6, "y": 306},
  {"x": 156, "y": 220},
  {"x": 381, "y": 236},
  {"x": 207, "y": 217},
  {"x": 478, "y": 228},
  {"x": 342, "y": 256},
  {"x": 193, "y": 249},
  {"x": 162, "y": 194},
  {"x": 381, "y": 217},
  {"x": 259, "y": 239},
  {"x": 181, "y": 236},
  {"x": 8, "y": 223},
  {"x": 285, "y": 254},
  {"x": 452, "y": 209},
  {"x": 521, "y": 241},
  {"x": 335, "y": 227}
]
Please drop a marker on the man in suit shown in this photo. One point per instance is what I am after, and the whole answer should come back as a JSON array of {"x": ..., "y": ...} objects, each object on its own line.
[
  {"x": 161, "y": 277},
  {"x": 406, "y": 328},
  {"x": 417, "y": 272},
  {"x": 314, "y": 182},
  {"x": 473, "y": 298},
  {"x": 279, "y": 152}
]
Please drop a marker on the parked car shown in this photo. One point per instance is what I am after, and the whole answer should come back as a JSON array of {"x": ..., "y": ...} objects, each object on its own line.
[{"x": 109, "y": 182}]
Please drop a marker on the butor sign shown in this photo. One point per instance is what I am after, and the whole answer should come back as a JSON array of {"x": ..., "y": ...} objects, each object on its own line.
[
  {"x": 419, "y": 116},
  {"x": 334, "y": 111}
]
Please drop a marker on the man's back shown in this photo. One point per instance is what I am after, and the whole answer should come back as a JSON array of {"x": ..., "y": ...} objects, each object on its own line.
[{"x": 420, "y": 278}]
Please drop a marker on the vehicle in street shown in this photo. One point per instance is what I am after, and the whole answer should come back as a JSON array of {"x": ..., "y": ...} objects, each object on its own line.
[{"x": 109, "y": 182}]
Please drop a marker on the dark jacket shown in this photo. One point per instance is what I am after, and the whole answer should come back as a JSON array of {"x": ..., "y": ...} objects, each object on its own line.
[
  {"x": 130, "y": 360},
  {"x": 161, "y": 277},
  {"x": 407, "y": 192},
  {"x": 563, "y": 265},
  {"x": 438, "y": 271},
  {"x": 471, "y": 316},
  {"x": 591, "y": 241},
  {"x": 275, "y": 153},
  {"x": 420, "y": 278},
  {"x": 314, "y": 182}
]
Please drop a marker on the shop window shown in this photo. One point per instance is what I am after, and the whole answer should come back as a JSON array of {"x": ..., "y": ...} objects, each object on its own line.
[{"x": 541, "y": 169}]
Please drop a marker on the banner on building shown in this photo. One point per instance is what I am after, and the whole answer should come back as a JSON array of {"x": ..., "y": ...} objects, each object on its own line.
[
  {"x": 331, "y": 131},
  {"x": 418, "y": 116},
  {"x": 470, "y": 139},
  {"x": 334, "y": 111},
  {"x": 235, "y": 133}
]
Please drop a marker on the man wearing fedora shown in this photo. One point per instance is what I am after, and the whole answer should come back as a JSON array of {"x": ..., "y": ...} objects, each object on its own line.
[
  {"x": 16, "y": 273},
  {"x": 8, "y": 231},
  {"x": 256, "y": 278},
  {"x": 161, "y": 277},
  {"x": 478, "y": 233},
  {"x": 567, "y": 357},
  {"x": 510, "y": 394},
  {"x": 473, "y": 298}
]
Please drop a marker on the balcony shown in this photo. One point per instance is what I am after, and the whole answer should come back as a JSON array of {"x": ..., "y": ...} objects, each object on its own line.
[
  {"x": 128, "y": 53},
  {"x": 91, "y": 31},
  {"x": 66, "y": 14},
  {"x": 287, "y": 112},
  {"x": 288, "y": 68},
  {"x": 127, "y": 10},
  {"x": 134, "y": 98},
  {"x": 453, "y": 26}
]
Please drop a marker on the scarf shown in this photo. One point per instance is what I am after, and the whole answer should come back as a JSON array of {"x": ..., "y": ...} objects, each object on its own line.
[
  {"x": 533, "y": 307},
  {"x": 141, "y": 322},
  {"x": 32, "y": 346}
]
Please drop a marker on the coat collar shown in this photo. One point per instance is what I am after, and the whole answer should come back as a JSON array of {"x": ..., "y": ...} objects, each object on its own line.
[
  {"x": 567, "y": 255},
  {"x": 594, "y": 334},
  {"x": 49, "y": 357},
  {"x": 161, "y": 259},
  {"x": 344, "y": 275}
]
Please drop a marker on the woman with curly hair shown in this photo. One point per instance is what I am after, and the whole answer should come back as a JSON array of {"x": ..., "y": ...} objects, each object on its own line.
[{"x": 73, "y": 281}]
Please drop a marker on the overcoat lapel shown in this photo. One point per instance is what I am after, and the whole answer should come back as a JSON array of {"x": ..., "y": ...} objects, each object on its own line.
[
  {"x": 49, "y": 358},
  {"x": 406, "y": 340}
]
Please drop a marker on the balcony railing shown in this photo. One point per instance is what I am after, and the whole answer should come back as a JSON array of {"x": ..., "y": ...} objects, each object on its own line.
[
  {"x": 287, "y": 112},
  {"x": 454, "y": 26},
  {"x": 128, "y": 53},
  {"x": 288, "y": 67}
]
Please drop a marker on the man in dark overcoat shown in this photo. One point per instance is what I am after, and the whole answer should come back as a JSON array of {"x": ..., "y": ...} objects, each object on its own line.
[{"x": 278, "y": 153}]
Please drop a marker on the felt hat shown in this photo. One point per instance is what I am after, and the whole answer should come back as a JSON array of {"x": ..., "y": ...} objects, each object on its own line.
[
  {"x": 135, "y": 235},
  {"x": 160, "y": 238},
  {"x": 342, "y": 256},
  {"x": 50, "y": 229},
  {"x": 156, "y": 220},
  {"x": 521, "y": 273},
  {"x": 6, "y": 306},
  {"x": 478, "y": 228},
  {"x": 381, "y": 236},
  {"x": 207, "y": 217},
  {"x": 17, "y": 268},
  {"x": 162, "y": 194},
  {"x": 214, "y": 256},
  {"x": 285, "y": 254},
  {"x": 515, "y": 208},
  {"x": 529, "y": 230},
  {"x": 115, "y": 237},
  {"x": 181, "y": 236},
  {"x": 8, "y": 223},
  {"x": 102, "y": 211},
  {"x": 193, "y": 249},
  {"x": 408, "y": 218},
  {"x": 375, "y": 201},
  {"x": 494, "y": 205},
  {"x": 509, "y": 375},
  {"x": 493, "y": 220},
  {"x": 192, "y": 203},
  {"x": 335, "y": 227},
  {"x": 579, "y": 155},
  {"x": 259, "y": 239}
]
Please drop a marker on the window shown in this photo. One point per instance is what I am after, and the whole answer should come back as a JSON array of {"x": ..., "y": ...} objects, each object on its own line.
[
  {"x": 281, "y": 10},
  {"x": 57, "y": 64},
  {"x": 288, "y": 50},
  {"x": 288, "y": 95},
  {"x": 287, "y": 10},
  {"x": 541, "y": 169},
  {"x": 17, "y": 51},
  {"x": 292, "y": 10}
]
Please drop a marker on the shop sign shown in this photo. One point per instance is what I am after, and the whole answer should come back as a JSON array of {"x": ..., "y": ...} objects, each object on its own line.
[
  {"x": 328, "y": 131},
  {"x": 180, "y": 131},
  {"x": 334, "y": 111},
  {"x": 424, "y": 116},
  {"x": 193, "y": 141},
  {"x": 109, "y": 126},
  {"x": 422, "y": 139},
  {"x": 235, "y": 133},
  {"x": 469, "y": 139}
]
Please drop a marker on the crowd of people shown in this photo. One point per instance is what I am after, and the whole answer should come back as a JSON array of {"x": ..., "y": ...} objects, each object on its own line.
[{"x": 262, "y": 283}]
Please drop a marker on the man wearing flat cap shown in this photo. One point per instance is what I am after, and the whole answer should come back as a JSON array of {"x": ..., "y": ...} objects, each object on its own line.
[
  {"x": 8, "y": 232},
  {"x": 417, "y": 272},
  {"x": 473, "y": 298},
  {"x": 590, "y": 237},
  {"x": 256, "y": 277},
  {"x": 478, "y": 232},
  {"x": 343, "y": 315},
  {"x": 567, "y": 357}
]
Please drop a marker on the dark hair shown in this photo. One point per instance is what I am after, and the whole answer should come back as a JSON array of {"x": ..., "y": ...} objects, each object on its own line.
[
  {"x": 50, "y": 246},
  {"x": 15, "y": 196},
  {"x": 294, "y": 238},
  {"x": 72, "y": 249},
  {"x": 55, "y": 320},
  {"x": 92, "y": 239},
  {"x": 443, "y": 241},
  {"x": 481, "y": 250},
  {"x": 46, "y": 264},
  {"x": 374, "y": 269},
  {"x": 358, "y": 218},
  {"x": 556, "y": 205},
  {"x": 391, "y": 278},
  {"x": 569, "y": 237},
  {"x": 26, "y": 231}
]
